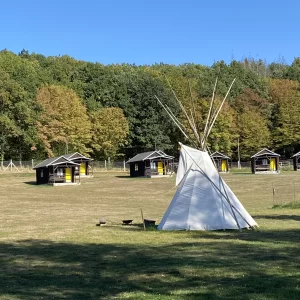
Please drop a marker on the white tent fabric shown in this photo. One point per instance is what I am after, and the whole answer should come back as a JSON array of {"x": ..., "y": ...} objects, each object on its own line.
[{"x": 203, "y": 201}]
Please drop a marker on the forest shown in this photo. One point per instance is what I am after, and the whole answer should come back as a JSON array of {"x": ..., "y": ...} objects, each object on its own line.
[{"x": 55, "y": 105}]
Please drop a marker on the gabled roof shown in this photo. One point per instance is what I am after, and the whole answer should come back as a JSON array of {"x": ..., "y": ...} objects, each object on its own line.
[
  {"x": 77, "y": 155},
  {"x": 297, "y": 154},
  {"x": 265, "y": 152},
  {"x": 149, "y": 155},
  {"x": 54, "y": 161},
  {"x": 219, "y": 155}
]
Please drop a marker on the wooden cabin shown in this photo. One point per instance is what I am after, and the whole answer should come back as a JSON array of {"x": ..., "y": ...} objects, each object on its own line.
[
  {"x": 265, "y": 161},
  {"x": 85, "y": 168},
  {"x": 57, "y": 171},
  {"x": 150, "y": 164},
  {"x": 221, "y": 162},
  {"x": 296, "y": 161}
]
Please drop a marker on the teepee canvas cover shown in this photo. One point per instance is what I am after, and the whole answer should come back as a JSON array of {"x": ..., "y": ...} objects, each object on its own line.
[{"x": 203, "y": 201}]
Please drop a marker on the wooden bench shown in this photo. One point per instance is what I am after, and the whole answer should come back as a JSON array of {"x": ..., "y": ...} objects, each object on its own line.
[
  {"x": 149, "y": 222},
  {"x": 262, "y": 168},
  {"x": 127, "y": 222},
  {"x": 56, "y": 179}
]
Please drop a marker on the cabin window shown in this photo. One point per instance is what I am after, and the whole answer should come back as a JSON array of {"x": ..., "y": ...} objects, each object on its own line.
[
  {"x": 136, "y": 167},
  {"x": 60, "y": 172},
  {"x": 76, "y": 170},
  {"x": 42, "y": 173},
  {"x": 153, "y": 165},
  {"x": 262, "y": 161}
]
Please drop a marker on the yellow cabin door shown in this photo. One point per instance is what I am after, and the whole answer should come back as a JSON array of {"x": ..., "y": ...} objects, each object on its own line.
[
  {"x": 82, "y": 169},
  {"x": 160, "y": 168},
  {"x": 224, "y": 165},
  {"x": 68, "y": 175},
  {"x": 273, "y": 164}
]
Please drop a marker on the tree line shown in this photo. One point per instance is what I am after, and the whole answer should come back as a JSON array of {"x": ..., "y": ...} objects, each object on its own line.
[{"x": 53, "y": 105}]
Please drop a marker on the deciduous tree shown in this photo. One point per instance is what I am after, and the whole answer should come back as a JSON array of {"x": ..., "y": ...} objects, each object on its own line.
[
  {"x": 109, "y": 131},
  {"x": 64, "y": 125}
]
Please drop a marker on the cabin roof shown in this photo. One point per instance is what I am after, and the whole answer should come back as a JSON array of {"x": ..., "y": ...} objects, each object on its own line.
[
  {"x": 76, "y": 156},
  {"x": 149, "y": 155},
  {"x": 296, "y": 154},
  {"x": 219, "y": 155},
  {"x": 265, "y": 152},
  {"x": 54, "y": 161}
]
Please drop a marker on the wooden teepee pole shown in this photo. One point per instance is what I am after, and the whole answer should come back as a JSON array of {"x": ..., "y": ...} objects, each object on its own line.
[
  {"x": 175, "y": 120},
  {"x": 209, "y": 112},
  {"x": 184, "y": 112},
  {"x": 193, "y": 113},
  {"x": 217, "y": 113}
]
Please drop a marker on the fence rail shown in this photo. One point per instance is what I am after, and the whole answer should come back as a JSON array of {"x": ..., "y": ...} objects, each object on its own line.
[
  {"x": 19, "y": 166},
  {"x": 106, "y": 165}
]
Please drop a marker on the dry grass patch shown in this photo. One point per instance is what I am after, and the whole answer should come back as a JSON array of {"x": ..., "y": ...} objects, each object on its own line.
[{"x": 50, "y": 247}]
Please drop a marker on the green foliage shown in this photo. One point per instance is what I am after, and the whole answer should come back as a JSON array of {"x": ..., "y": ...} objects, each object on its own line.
[
  {"x": 262, "y": 110},
  {"x": 109, "y": 129},
  {"x": 16, "y": 118},
  {"x": 63, "y": 126},
  {"x": 286, "y": 97},
  {"x": 293, "y": 71}
]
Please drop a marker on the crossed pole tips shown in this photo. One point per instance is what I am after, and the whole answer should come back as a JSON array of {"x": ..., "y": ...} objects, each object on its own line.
[{"x": 199, "y": 141}]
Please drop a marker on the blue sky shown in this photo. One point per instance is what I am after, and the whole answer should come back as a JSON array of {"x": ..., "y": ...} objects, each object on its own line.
[{"x": 148, "y": 32}]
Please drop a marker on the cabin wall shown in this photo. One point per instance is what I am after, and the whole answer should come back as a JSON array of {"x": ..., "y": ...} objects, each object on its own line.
[
  {"x": 137, "y": 169},
  {"x": 221, "y": 164},
  {"x": 84, "y": 166},
  {"x": 296, "y": 163},
  {"x": 272, "y": 164},
  {"x": 42, "y": 175},
  {"x": 253, "y": 165}
]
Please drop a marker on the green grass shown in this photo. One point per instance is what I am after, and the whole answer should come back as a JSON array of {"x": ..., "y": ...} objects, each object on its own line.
[
  {"x": 51, "y": 248},
  {"x": 292, "y": 205}
]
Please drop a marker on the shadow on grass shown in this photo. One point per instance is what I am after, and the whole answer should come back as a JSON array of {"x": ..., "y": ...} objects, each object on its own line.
[
  {"x": 133, "y": 226},
  {"x": 124, "y": 176},
  {"x": 30, "y": 182},
  {"x": 132, "y": 178},
  {"x": 278, "y": 217},
  {"x": 33, "y": 183},
  {"x": 240, "y": 173},
  {"x": 270, "y": 237},
  {"x": 198, "y": 269}
]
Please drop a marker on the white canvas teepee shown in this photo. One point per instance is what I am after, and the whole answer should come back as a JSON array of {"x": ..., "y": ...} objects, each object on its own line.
[{"x": 203, "y": 201}]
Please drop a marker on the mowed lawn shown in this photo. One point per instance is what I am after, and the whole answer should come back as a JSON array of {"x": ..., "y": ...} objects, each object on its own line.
[{"x": 51, "y": 248}]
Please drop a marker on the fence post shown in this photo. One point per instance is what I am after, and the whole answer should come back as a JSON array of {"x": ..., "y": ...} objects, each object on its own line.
[
  {"x": 105, "y": 164},
  {"x": 273, "y": 194},
  {"x": 124, "y": 165}
]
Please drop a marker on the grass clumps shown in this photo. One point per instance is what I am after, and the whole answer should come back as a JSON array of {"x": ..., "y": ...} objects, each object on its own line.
[{"x": 292, "y": 205}]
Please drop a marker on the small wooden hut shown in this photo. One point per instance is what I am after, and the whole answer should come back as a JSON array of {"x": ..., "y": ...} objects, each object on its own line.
[
  {"x": 221, "y": 162},
  {"x": 296, "y": 161},
  {"x": 150, "y": 164},
  {"x": 265, "y": 161},
  {"x": 57, "y": 171},
  {"x": 85, "y": 168}
]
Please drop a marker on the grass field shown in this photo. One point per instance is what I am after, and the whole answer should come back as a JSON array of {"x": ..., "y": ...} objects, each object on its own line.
[{"x": 51, "y": 248}]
